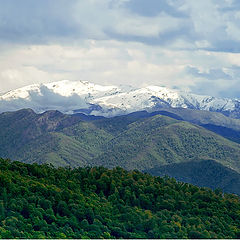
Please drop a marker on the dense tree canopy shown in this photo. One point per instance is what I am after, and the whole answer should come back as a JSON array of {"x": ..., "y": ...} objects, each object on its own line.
[{"x": 40, "y": 201}]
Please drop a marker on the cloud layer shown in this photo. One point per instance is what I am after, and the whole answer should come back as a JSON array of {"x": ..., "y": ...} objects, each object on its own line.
[{"x": 191, "y": 45}]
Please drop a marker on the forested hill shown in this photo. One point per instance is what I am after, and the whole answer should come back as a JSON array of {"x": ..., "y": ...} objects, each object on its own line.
[
  {"x": 136, "y": 141},
  {"x": 40, "y": 201}
]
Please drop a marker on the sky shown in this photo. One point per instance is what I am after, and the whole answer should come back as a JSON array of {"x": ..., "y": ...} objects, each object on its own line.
[{"x": 181, "y": 44}]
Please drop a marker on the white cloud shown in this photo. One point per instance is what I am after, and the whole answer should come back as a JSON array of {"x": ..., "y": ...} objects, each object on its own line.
[
  {"x": 109, "y": 42},
  {"x": 105, "y": 62}
]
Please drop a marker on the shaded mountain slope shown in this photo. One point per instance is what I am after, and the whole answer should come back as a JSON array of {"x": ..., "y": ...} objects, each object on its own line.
[
  {"x": 138, "y": 140},
  {"x": 225, "y": 132},
  {"x": 161, "y": 140},
  {"x": 30, "y": 137},
  {"x": 55, "y": 148},
  {"x": 206, "y": 173},
  {"x": 216, "y": 122},
  {"x": 201, "y": 117}
]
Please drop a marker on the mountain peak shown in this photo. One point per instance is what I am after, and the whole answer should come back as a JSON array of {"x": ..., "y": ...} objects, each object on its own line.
[{"x": 83, "y": 96}]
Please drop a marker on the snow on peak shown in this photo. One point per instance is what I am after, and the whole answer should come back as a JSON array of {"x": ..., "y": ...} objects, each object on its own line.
[
  {"x": 83, "y": 96},
  {"x": 69, "y": 88}
]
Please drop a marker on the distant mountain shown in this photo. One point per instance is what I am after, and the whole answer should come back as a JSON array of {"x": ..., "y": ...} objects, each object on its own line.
[
  {"x": 206, "y": 173},
  {"x": 84, "y": 97}
]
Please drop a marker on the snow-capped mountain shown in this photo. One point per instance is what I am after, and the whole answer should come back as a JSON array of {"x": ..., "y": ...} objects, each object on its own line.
[{"x": 82, "y": 96}]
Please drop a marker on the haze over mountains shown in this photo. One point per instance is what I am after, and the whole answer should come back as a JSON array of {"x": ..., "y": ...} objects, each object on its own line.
[{"x": 85, "y": 97}]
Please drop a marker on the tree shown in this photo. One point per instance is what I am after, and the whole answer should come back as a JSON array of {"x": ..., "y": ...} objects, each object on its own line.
[{"x": 2, "y": 210}]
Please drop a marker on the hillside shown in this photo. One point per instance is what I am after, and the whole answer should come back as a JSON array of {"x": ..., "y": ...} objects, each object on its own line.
[
  {"x": 39, "y": 201},
  {"x": 32, "y": 137},
  {"x": 135, "y": 141},
  {"x": 225, "y": 132},
  {"x": 160, "y": 140},
  {"x": 201, "y": 117},
  {"x": 206, "y": 173}
]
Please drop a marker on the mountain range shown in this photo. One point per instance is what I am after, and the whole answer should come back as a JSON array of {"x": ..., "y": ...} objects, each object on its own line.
[
  {"x": 193, "y": 141},
  {"x": 85, "y": 97},
  {"x": 140, "y": 140}
]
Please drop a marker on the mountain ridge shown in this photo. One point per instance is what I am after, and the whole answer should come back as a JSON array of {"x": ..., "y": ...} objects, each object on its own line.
[
  {"x": 139, "y": 140},
  {"x": 93, "y": 99}
]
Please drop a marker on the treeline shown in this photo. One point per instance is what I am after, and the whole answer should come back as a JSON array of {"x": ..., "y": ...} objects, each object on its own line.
[{"x": 40, "y": 201}]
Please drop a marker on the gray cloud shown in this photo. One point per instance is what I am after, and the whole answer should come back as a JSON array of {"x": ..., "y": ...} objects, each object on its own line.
[
  {"x": 229, "y": 46},
  {"x": 221, "y": 89},
  {"x": 229, "y": 6},
  {"x": 212, "y": 74},
  {"x": 29, "y": 21},
  {"x": 122, "y": 41},
  {"x": 166, "y": 38},
  {"x": 152, "y": 8},
  {"x": 65, "y": 21},
  {"x": 216, "y": 81}
]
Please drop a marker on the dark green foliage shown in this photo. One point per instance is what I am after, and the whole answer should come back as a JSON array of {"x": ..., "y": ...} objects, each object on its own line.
[
  {"x": 39, "y": 201},
  {"x": 205, "y": 173},
  {"x": 228, "y": 133}
]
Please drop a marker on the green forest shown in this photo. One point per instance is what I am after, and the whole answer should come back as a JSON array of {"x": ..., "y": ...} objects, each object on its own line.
[
  {"x": 40, "y": 201},
  {"x": 131, "y": 141}
]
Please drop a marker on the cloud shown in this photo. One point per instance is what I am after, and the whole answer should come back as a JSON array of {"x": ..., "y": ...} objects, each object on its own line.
[
  {"x": 115, "y": 62},
  {"x": 180, "y": 43},
  {"x": 47, "y": 97},
  {"x": 42, "y": 21},
  {"x": 106, "y": 62},
  {"x": 219, "y": 82},
  {"x": 207, "y": 24},
  {"x": 211, "y": 74},
  {"x": 223, "y": 88},
  {"x": 153, "y": 8},
  {"x": 44, "y": 99}
]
